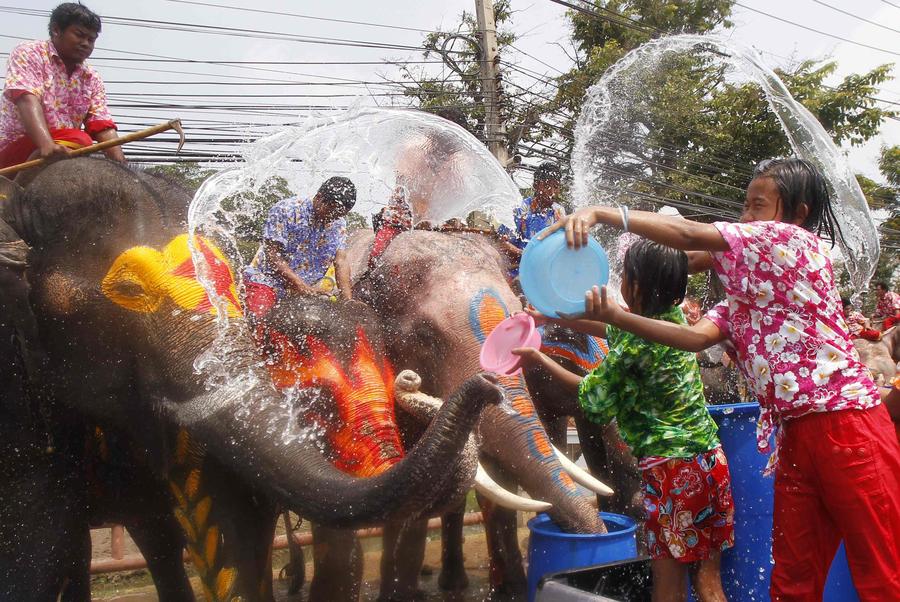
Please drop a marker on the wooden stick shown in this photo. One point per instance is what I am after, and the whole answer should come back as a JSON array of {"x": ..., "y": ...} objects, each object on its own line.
[{"x": 175, "y": 124}]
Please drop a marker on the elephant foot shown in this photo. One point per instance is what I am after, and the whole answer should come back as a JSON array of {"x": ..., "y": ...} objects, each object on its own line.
[
  {"x": 453, "y": 579},
  {"x": 508, "y": 592},
  {"x": 417, "y": 595}
]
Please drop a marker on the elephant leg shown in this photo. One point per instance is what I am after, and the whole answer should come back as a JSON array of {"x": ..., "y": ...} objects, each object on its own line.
[
  {"x": 296, "y": 567},
  {"x": 453, "y": 570},
  {"x": 161, "y": 542},
  {"x": 337, "y": 565},
  {"x": 401, "y": 560},
  {"x": 507, "y": 569},
  {"x": 78, "y": 585},
  {"x": 228, "y": 526}
]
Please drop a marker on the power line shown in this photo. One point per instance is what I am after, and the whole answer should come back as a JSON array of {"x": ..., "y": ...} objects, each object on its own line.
[
  {"x": 623, "y": 21},
  {"x": 818, "y": 31},
  {"x": 234, "y": 31},
  {"x": 857, "y": 17},
  {"x": 300, "y": 16}
]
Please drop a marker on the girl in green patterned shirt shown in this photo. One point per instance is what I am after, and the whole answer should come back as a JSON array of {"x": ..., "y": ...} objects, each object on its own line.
[{"x": 656, "y": 396}]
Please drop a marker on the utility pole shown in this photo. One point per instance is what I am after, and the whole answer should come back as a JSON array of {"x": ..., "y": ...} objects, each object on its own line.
[{"x": 494, "y": 130}]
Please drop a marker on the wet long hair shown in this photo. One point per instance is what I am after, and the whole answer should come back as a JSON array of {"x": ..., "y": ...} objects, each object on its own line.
[
  {"x": 799, "y": 183},
  {"x": 660, "y": 273}
]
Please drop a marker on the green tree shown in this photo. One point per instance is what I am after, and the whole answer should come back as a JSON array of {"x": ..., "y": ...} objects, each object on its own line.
[
  {"x": 188, "y": 175},
  {"x": 457, "y": 96},
  {"x": 889, "y": 164},
  {"x": 704, "y": 131}
]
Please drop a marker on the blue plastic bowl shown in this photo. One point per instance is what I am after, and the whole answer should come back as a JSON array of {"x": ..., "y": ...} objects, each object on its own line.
[{"x": 554, "y": 277}]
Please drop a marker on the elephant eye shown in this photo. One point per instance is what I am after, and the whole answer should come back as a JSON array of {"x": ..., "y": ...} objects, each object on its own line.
[{"x": 129, "y": 289}]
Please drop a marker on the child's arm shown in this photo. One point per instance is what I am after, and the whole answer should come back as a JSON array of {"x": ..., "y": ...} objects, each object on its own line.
[
  {"x": 675, "y": 232},
  {"x": 591, "y": 327},
  {"x": 694, "y": 338},
  {"x": 533, "y": 357}
]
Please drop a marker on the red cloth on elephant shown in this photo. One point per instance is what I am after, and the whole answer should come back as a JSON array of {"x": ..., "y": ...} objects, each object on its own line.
[
  {"x": 19, "y": 150},
  {"x": 690, "y": 508}
]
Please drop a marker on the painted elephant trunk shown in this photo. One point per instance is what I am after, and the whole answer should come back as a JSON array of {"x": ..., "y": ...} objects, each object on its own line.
[
  {"x": 299, "y": 474},
  {"x": 538, "y": 471}
]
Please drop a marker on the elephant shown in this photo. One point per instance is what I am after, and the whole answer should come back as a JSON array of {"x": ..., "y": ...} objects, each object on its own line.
[
  {"x": 332, "y": 343},
  {"x": 438, "y": 296},
  {"x": 881, "y": 357},
  {"x": 134, "y": 343}
]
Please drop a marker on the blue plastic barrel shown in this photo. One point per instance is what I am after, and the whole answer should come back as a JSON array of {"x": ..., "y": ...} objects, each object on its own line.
[
  {"x": 551, "y": 550},
  {"x": 747, "y": 567}
]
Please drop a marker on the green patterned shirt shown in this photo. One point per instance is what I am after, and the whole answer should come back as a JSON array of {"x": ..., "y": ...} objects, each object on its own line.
[{"x": 654, "y": 392}]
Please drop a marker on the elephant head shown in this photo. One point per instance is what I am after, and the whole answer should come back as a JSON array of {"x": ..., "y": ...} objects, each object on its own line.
[
  {"x": 130, "y": 331},
  {"x": 438, "y": 296}
]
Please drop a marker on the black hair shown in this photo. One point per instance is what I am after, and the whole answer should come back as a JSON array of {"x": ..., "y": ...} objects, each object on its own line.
[
  {"x": 454, "y": 114},
  {"x": 845, "y": 301},
  {"x": 660, "y": 273},
  {"x": 882, "y": 285},
  {"x": 799, "y": 183},
  {"x": 338, "y": 190},
  {"x": 547, "y": 172},
  {"x": 74, "y": 13}
]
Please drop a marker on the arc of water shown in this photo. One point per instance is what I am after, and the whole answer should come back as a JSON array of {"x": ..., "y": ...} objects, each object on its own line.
[{"x": 808, "y": 139}]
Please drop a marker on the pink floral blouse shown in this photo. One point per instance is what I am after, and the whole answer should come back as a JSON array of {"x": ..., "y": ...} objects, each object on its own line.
[
  {"x": 783, "y": 314},
  {"x": 888, "y": 305},
  {"x": 69, "y": 102}
]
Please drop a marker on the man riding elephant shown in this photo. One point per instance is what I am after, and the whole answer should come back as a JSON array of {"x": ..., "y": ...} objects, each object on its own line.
[
  {"x": 51, "y": 93},
  {"x": 304, "y": 239}
]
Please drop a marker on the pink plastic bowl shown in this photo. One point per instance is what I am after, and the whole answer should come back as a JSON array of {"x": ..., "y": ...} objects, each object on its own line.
[{"x": 515, "y": 331}]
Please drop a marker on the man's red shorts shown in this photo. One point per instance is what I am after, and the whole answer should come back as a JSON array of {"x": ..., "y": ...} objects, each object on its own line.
[
  {"x": 690, "y": 509},
  {"x": 259, "y": 298},
  {"x": 19, "y": 150}
]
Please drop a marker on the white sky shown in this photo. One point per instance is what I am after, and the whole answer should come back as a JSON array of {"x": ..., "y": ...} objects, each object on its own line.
[{"x": 540, "y": 23}]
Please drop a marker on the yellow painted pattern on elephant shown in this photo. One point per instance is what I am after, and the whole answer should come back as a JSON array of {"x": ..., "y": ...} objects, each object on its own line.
[
  {"x": 142, "y": 278},
  {"x": 193, "y": 512}
]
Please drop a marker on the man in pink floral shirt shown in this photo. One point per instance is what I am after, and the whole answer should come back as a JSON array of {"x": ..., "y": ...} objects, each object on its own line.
[
  {"x": 51, "y": 93},
  {"x": 888, "y": 307}
]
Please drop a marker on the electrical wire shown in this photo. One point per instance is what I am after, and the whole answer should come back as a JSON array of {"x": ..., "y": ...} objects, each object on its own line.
[
  {"x": 818, "y": 31},
  {"x": 857, "y": 17}
]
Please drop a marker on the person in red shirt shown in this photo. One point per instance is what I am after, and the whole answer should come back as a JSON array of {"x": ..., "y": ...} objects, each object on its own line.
[
  {"x": 52, "y": 100},
  {"x": 887, "y": 310},
  {"x": 858, "y": 325}
]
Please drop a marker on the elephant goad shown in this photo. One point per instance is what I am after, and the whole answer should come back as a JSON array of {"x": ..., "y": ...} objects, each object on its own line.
[{"x": 121, "y": 319}]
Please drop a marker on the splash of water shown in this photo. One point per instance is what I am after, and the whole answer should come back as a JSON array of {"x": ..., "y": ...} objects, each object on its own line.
[
  {"x": 615, "y": 116},
  {"x": 440, "y": 169}
]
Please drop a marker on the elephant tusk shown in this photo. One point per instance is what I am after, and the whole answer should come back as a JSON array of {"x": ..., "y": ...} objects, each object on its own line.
[
  {"x": 581, "y": 476},
  {"x": 415, "y": 403},
  {"x": 408, "y": 381},
  {"x": 489, "y": 488}
]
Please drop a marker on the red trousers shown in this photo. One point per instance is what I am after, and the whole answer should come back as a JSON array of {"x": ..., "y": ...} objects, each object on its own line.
[
  {"x": 383, "y": 238},
  {"x": 19, "y": 150},
  {"x": 838, "y": 477},
  {"x": 891, "y": 321},
  {"x": 259, "y": 298}
]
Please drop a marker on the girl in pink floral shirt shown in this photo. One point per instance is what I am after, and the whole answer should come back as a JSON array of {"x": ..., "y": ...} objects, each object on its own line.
[{"x": 836, "y": 459}]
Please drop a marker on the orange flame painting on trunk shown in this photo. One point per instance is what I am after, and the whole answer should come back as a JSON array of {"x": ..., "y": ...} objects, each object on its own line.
[{"x": 364, "y": 438}]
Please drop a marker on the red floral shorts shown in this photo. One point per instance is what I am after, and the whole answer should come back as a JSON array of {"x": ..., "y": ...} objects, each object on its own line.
[{"x": 690, "y": 510}]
